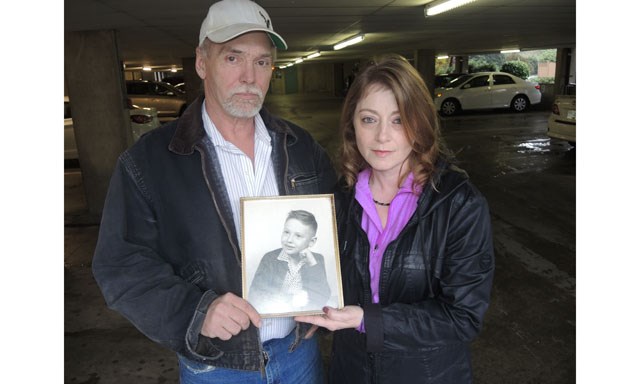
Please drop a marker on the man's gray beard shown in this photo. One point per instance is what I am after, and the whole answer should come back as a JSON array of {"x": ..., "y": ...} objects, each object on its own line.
[{"x": 243, "y": 110}]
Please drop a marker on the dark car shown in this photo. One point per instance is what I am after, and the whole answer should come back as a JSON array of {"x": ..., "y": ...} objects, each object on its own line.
[
  {"x": 165, "y": 98},
  {"x": 442, "y": 80}
]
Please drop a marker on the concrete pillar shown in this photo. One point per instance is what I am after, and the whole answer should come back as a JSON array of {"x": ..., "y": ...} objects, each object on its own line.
[
  {"x": 276, "y": 87},
  {"x": 148, "y": 75},
  {"x": 572, "y": 66},
  {"x": 461, "y": 64},
  {"x": 425, "y": 63},
  {"x": 563, "y": 65},
  {"x": 192, "y": 82},
  {"x": 300, "y": 78},
  {"x": 318, "y": 77},
  {"x": 100, "y": 116},
  {"x": 338, "y": 79}
]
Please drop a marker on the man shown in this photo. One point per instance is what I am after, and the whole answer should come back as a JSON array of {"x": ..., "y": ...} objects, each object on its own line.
[{"x": 168, "y": 255}]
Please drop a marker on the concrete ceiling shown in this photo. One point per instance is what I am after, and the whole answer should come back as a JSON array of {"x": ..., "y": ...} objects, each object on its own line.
[{"x": 162, "y": 32}]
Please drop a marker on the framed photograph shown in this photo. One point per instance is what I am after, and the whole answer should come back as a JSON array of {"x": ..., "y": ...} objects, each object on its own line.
[{"x": 290, "y": 259}]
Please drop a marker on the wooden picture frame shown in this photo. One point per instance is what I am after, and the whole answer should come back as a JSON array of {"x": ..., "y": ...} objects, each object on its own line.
[{"x": 290, "y": 258}]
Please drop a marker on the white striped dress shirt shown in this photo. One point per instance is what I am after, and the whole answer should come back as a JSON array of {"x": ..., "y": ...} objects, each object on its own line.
[{"x": 243, "y": 178}]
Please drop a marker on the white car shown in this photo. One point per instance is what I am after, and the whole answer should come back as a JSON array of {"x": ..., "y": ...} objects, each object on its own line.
[
  {"x": 562, "y": 121},
  {"x": 142, "y": 121},
  {"x": 486, "y": 90}
]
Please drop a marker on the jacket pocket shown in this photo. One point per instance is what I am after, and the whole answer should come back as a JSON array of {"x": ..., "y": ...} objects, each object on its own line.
[
  {"x": 303, "y": 183},
  {"x": 407, "y": 281},
  {"x": 195, "y": 367}
]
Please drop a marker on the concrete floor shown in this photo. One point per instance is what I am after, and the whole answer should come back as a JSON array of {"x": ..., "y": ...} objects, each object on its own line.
[{"x": 530, "y": 329}]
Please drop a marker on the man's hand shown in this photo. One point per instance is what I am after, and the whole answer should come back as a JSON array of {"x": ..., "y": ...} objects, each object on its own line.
[
  {"x": 335, "y": 319},
  {"x": 227, "y": 316}
]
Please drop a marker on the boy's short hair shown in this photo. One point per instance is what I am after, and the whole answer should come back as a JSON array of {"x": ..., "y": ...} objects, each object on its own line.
[{"x": 305, "y": 218}]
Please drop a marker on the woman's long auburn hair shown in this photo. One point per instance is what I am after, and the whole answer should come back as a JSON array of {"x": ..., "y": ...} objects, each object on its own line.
[{"x": 417, "y": 112}]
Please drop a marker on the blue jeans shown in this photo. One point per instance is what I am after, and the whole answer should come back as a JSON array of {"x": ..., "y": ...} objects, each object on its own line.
[{"x": 302, "y": 366}]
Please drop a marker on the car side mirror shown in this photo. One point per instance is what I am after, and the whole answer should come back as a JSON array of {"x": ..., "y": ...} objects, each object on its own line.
[{"x": 466, "y": 86}]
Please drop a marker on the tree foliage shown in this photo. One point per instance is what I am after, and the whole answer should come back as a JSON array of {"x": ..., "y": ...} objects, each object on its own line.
[
  {"x": 493, "y": 61},
  {"x": 444, "y": 66},
  {"x": 516, "y": 68},
  {"x": 480, "y": 65},
  {"x": 543, "y": 80},
  {"x": 532, "y": 58}
]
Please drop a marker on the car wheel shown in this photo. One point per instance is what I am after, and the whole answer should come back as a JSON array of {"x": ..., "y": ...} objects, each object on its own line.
[
  {"x": 519, "y": 103},
  {"x": 450, "y": 107}
]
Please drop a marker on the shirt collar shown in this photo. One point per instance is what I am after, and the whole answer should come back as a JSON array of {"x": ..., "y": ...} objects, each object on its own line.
[
  {"x": 363, "y": 182},
  {"x": 309, "y": 259}
]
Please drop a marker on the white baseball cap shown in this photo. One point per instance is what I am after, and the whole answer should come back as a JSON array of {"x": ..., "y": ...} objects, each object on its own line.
[{"x": 228, "y": 19}]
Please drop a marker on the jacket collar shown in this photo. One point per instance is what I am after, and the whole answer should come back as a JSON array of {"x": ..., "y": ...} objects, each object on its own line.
[
  {"x": 190, "y": 130},
  {"x": 447, "y": 178}
]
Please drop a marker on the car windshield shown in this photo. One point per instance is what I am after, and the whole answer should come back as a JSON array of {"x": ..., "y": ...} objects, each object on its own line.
[{"x": 457, "y": 81}]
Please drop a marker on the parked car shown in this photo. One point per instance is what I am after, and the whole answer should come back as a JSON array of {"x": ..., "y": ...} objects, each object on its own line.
[
  {"x": 165, "y": 98},
  {"x": 142, "y": 121},
  {"x": 443, "y": 79},
  {"x": 562, "y": 121},
  {"x": 486, "y": 90}
]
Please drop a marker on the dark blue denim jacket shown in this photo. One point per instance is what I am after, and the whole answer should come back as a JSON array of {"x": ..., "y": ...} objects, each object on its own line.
[{"x": 167, "y": 245}]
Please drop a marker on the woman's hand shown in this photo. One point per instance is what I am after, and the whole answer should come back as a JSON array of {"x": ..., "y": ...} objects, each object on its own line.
[{"x": 335, "y": 319}]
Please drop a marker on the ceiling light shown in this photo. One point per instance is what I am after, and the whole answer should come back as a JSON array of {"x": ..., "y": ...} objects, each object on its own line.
[
  {"x": 442, "y": 57},
  {"x": 298, "y": 60},
  {"x": 146, "y": 68},
  {"x": 313, "y": 55},
  {"x": 515, "y": 50},
  {"x": 443, "y": 6},
  {"x": 350, "y": 41}
]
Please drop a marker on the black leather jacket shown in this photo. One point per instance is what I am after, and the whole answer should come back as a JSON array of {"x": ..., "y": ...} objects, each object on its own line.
[
  {"x": 435, "y": 285},
  {"x": 167, "y": 245}
]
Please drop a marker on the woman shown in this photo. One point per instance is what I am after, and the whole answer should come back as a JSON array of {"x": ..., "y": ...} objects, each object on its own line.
[{"x": 415, "y": 238}]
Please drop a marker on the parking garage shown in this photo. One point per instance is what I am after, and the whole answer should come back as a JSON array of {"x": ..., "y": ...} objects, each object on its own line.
[{"x": 528, "y": 178}]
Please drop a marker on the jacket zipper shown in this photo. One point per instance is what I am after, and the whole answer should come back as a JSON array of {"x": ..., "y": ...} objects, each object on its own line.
[
  {"x": 215, "y": 203},
  {"x": 286, "y": 169},
  {"x": 358, "y": 238},
  {"x": 263, "y": 360}
]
